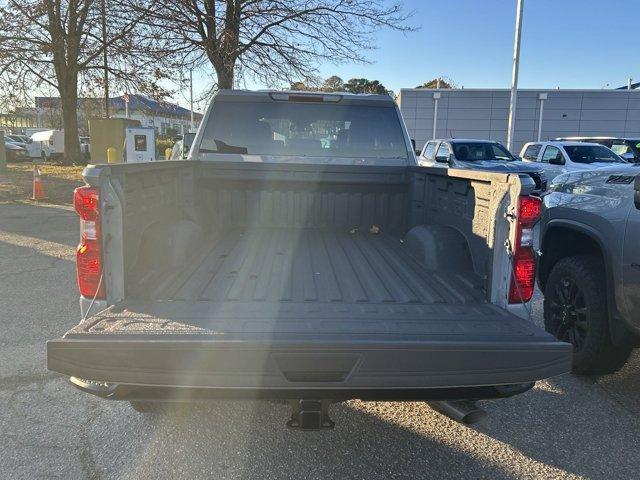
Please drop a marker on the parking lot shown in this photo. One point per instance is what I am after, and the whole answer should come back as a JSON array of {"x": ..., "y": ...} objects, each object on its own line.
[{"x": 567, "y": 427}]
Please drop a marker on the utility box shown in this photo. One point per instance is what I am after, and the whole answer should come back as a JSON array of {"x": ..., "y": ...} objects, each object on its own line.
[
  {"x": 140, "y": 144},
  {"x": 105, "y": 133}
]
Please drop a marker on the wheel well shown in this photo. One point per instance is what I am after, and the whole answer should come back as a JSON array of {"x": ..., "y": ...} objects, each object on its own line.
[{"x": 562, "y": 242}]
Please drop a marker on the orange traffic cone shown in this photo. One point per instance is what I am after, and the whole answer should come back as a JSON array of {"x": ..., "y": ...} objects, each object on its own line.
[{"x": 38, "y": 189}]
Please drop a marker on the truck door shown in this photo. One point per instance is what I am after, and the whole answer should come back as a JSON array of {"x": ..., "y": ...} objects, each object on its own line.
[
  {"x": 631, "y": 257},
  {"x": 553, "y": 162}
]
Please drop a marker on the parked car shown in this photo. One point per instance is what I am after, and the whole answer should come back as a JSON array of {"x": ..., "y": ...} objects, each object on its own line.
[
  {"x": 478, "y": 155},
  {"x": 21, "y": 140},
  {"x": 275, "y": 263},
  {"x": 627, "y": 148},
  {"x": 590, "y": 265},
  {"x": 15, "y": 152},
  {"x": 561, "y": 157}
]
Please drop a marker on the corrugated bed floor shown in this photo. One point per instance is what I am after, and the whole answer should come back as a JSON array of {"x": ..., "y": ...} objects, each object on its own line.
[{"x": 312, "y": 265}]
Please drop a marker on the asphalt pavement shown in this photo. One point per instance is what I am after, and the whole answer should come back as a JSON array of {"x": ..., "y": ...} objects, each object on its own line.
[{"x": 566, "y": 427}]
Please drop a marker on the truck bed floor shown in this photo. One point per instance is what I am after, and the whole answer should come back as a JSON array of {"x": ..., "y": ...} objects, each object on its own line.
[{"x": 309, "y": 265}]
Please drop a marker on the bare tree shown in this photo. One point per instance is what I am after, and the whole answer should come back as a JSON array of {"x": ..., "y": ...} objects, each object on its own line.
[
  {"x": 53, "y": 44},
  {"x": 273, "y": 42}
]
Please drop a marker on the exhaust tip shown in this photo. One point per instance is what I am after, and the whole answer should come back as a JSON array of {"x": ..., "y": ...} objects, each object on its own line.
[
  {"x": 474, "y": 416},
  {"x": 461, "y": 411}
]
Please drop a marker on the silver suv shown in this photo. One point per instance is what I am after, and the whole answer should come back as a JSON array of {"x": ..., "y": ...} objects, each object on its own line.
[{"x": 557, "y": 158}]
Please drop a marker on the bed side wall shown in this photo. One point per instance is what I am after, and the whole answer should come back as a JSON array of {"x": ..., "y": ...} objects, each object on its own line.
[{"x": 469, "y": 202}]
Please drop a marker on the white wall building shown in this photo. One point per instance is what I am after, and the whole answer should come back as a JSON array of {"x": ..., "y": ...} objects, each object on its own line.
[{"x": 541, "y": 114}]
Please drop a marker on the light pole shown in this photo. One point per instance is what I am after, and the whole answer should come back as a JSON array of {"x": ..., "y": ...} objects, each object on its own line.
[
  {"x": 514, "y": 76},
  {"x": 436, "y": 97},
  {"x": 191, "y": 99},
  {"x": 542, "y": 97}
]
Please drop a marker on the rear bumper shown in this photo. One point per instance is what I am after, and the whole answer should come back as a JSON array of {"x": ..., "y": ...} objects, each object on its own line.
[
  {"x": 310, "y": 366},
  {"x": 128, "y": 392}
]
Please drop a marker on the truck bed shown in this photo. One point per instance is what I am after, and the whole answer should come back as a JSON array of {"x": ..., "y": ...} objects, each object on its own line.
[
  {"x": 308, "y": 281},
  {"x": 280, "y": 310}
]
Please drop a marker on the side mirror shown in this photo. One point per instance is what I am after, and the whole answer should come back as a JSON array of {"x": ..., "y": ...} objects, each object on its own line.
[
  {"x": 636, "y": 196},
  {"x": 442, "y": 159},
  {"x": 556, "y": 160}
]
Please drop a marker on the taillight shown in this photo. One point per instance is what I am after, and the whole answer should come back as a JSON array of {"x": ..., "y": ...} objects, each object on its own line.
[
  {"x": 86, "y": 201},
  {"x": 529, "y": 211},
  {"x": 524, "y": 261}
]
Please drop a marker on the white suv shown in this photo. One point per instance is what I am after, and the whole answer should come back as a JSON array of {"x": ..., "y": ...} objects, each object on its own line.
[{"x": 557, "y": 158}]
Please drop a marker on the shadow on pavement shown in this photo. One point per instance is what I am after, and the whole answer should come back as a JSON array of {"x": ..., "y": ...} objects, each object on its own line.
[
  {"x": 569, "y": 424},
  {"x": 624, "y": 385},
  {"x": 249, "y": 440},
  {"x": 50, "y": 223}
]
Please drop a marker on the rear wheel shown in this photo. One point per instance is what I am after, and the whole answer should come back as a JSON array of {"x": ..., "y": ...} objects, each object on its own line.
[{"x": 575, "y": 311}]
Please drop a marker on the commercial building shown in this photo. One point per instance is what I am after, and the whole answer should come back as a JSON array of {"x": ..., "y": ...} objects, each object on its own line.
[
  {"x": 541, "y": 114},
  {"x": 167, "y": 118}
]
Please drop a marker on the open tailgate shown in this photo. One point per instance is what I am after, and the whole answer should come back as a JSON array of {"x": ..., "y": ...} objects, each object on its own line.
[{"x": 201, "y": 344}]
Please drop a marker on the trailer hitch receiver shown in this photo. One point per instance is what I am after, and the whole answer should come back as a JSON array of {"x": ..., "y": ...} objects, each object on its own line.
[{"x": 310, "y": 415}]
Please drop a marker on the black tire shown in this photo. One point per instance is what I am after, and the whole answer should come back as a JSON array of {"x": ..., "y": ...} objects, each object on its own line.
[{"x": 575, "y": 311}]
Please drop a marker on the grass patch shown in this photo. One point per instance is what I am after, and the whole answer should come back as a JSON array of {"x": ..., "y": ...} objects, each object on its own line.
[{"x": 58, "y": 181}]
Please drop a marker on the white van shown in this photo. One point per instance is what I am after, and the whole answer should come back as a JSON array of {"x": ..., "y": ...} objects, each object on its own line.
[{"x": 47, "y": 144}]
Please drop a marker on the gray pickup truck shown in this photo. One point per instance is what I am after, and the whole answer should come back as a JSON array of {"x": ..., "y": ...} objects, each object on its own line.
[
  {"x": 300, "y": 253},
  {"x": 590, "y": 265}
]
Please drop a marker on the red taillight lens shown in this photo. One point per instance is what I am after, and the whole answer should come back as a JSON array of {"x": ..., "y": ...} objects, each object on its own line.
[
  {"x": 89, "y": 268},
  {"x": 86, "y": 201},
  {"x": 523, "y": 277},
  {"x": 530, "y": 211}
]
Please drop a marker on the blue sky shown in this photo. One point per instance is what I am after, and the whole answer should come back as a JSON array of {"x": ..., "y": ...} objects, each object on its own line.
[{"x": 565, "y": 43}]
